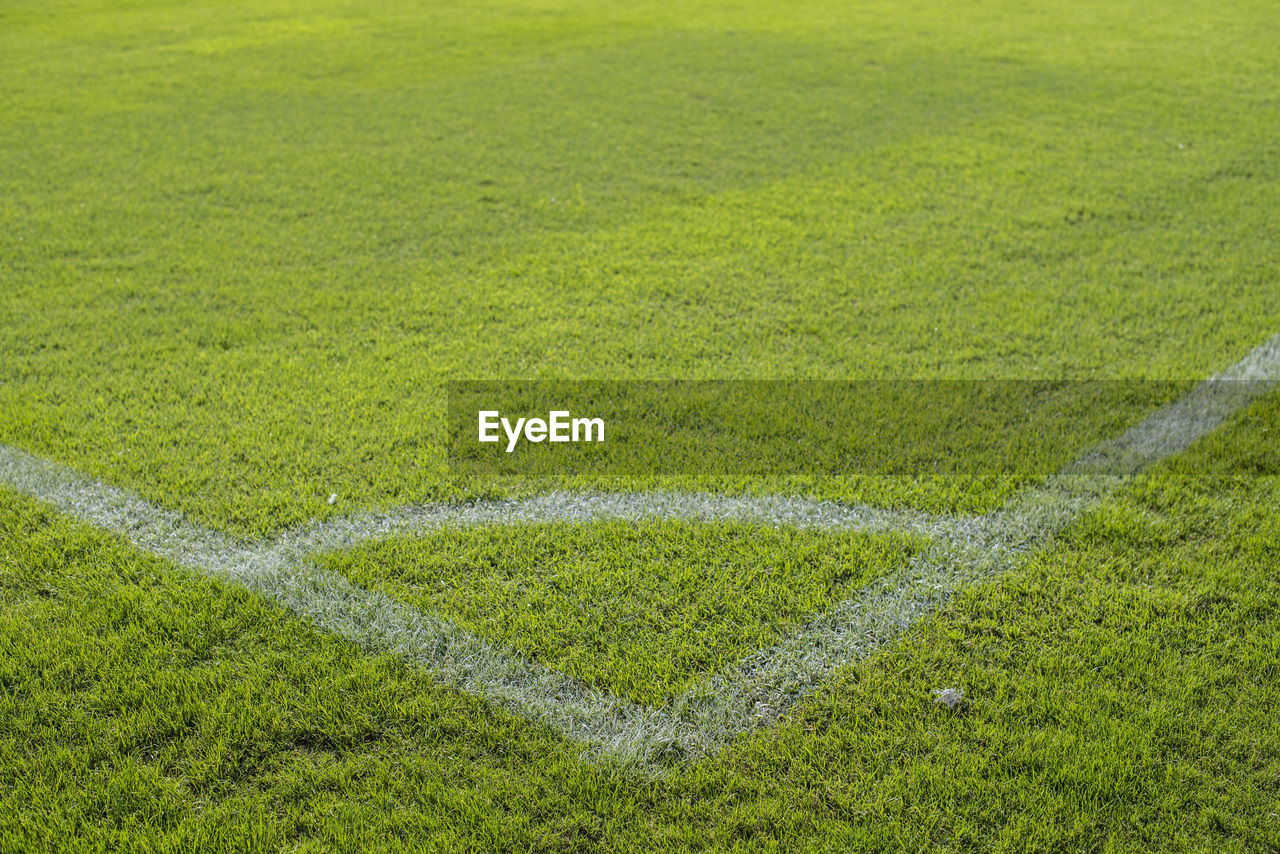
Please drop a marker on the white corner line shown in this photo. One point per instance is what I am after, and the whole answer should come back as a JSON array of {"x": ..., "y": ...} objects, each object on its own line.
[
  {"x": 583, "y": 507},
  {"x": 750, "y": 694}
]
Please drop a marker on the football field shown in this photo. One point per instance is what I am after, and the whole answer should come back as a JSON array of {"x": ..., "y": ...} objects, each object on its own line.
[{"x": 249, "y": 602}]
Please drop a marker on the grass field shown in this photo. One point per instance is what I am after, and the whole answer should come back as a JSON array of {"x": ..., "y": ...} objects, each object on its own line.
[
  {"x": 244, "y": 246},
  {"x": 635, "y": 608}
]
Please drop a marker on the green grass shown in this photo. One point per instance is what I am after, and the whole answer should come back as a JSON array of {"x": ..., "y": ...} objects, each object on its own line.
[
  {"x": 1120, "y": 696},
  {"x": 242, "y": 246},
  {"x": 640, "y": 609}
]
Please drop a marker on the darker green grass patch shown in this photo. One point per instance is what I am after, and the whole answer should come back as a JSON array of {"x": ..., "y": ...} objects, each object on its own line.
[{"x": 639, "y": 608}]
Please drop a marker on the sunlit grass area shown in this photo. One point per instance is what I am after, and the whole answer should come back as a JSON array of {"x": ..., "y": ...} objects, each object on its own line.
[{"x": 243, "y": 247}]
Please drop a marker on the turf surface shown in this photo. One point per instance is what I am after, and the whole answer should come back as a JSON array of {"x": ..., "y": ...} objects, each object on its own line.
[
  {"x": 640, "y": 609},
  {"x": 243, "y": 246},
  {"x": 1119, "y": 696}
]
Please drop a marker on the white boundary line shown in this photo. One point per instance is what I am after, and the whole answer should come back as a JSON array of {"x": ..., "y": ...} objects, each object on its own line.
[
  {"x": 582, "y": 507},
  {"x": 750, "y": 694}
]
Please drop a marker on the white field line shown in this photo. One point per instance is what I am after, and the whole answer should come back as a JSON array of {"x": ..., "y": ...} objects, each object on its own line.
[
  {"x": 606, "y": 723},
  {"x": 759, "y": 688},
  {"x": 282, "y": 571},
  {"x": 747, "y": 695},
  {"x": 581, "y": 507}
]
